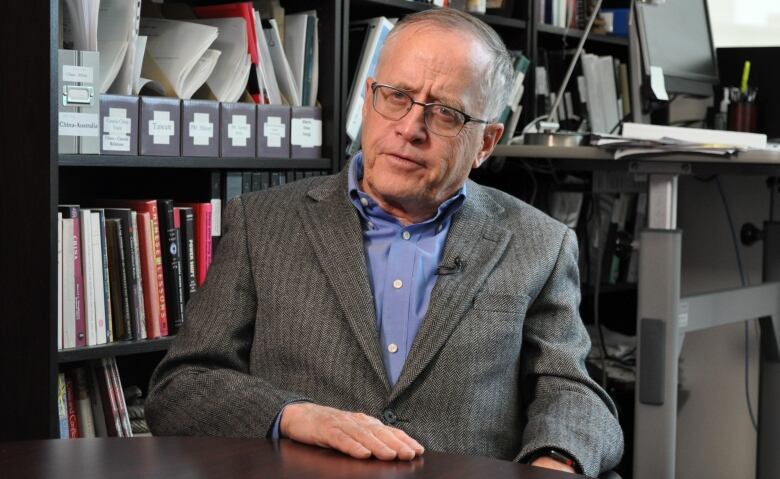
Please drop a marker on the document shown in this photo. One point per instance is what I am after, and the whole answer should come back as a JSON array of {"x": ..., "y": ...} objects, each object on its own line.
[
  {"x": 229, "y": 78},
  {"x": 180, "y": 56},
  {"x": 284, "y": 74}
]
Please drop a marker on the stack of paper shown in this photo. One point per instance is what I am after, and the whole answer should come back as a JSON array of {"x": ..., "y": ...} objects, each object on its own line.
[
  {"x": 284, "y": 75},
  {"x": 178, "y": 54},
  {"x": 229, "y": 78},
  {"x": 300, "y": 48}
]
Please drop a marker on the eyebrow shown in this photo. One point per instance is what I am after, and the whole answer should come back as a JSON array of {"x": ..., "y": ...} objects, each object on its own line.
[{"x": 451, "y": 101}]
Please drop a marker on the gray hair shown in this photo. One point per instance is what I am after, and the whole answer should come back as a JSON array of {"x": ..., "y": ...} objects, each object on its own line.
[{"x": 499, "y": 75}]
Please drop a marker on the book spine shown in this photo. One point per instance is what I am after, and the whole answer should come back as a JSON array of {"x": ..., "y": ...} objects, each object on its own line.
[
  {"x": 158, "y": 265},
  {"x": 88, "y": 272},
  {"x": 119, "y": 395},
  {"x": 60, "y": 283},
  {"x": 188, "y": 227},
  {"x": 110, "y": 406},
  {"x": 108, "y": 329},
  {"x": 98, "y": 413},
  {"x": 78, "y": 282},
  {"x": 174, "y": 290},
  {"x": 140, "y": 319},
  {"x": 69, "y": 305},
  {"x": 73, "y": 421},
  {"x": 120, "y": 301},
  {"x": 208, "y": 216},
  {"x": 86, "y": 421},
  {"x": 62, "y": 406}
]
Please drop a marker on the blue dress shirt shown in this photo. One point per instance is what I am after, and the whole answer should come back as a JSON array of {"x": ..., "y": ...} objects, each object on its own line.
[{"x": 402, "y": 263}]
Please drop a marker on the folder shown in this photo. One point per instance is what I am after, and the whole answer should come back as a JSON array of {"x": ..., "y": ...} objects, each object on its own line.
[
  {"x": 160, "y": 120},
  {"x": 238, "y": 128},
  {"x": 306, "y": 132},
  {"x": 273, "y": 131},
  {"x": 200, "y": 128},
  {"x": 118, "y": 125},
  {"x": 78, "y": 125}
]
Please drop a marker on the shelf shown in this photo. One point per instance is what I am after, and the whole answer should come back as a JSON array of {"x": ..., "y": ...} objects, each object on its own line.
[
  {"x": 123, "y": 161},
  {"x": 574, "y": 33},
  {"x": 410, "y": 6},
  {"x": 589, "y": 290},
  {"x": 118, "y": 348}
]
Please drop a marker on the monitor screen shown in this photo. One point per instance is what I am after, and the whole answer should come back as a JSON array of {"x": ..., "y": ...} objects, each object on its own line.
[{"x": 676, "y": 37}]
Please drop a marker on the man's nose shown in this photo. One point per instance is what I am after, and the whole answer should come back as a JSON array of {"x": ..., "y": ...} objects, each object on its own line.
[{"x": 412, "y": 126}]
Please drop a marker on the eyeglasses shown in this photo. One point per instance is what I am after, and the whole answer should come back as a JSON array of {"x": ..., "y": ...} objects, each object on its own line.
[{"x": 393, "y": 104}]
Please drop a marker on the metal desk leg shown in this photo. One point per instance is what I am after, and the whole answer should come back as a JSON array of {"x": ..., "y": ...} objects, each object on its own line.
[
  {"x": 768, "y": 461},
  {"x": 658, "y": 334}
]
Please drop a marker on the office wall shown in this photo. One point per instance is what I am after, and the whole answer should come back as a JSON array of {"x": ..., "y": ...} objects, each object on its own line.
[
  {"x": 715, "y": 437},
  {"x": 744, "y": 23}
]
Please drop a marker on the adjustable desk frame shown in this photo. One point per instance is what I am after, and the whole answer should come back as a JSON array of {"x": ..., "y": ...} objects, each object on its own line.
[{"x": 663, "y": 316}]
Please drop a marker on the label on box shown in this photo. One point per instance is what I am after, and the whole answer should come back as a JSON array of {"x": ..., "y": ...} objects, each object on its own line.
[
  {"x": 201, "y": 129},
  {"x": 306, "y": 132},
  {"x": 274, "y": 130},
  {"x": 116, "y": 143},
  {"x": 78, "y": 124},
  {"x": 239, "y": 131},
  {"x": 116, "y": 123},
  {"x": 161, "y": 128},
  {"x": 77, "y": 74}
]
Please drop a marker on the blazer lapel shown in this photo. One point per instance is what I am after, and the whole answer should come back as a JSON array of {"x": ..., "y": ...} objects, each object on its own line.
[
  {"x": 333, "y": 226},
  {"x": 479, "y": 242}
]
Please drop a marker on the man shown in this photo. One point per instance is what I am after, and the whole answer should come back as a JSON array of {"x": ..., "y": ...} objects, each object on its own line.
[{"x": 397, "y": 306}]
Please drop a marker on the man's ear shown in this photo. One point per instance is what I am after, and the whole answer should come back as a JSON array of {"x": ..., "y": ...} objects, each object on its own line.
[
  {"x": 490, "y": 136},
  {"x": 367, "y": 97}
]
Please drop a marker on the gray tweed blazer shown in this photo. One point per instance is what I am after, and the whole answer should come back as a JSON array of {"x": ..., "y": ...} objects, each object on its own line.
[{"x": 286, "y": 313}]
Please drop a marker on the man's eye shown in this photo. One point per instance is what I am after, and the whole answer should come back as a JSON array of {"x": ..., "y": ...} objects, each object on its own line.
[
  {"x": 398, "y": 97},
  {"x": 445, "y": 113}
]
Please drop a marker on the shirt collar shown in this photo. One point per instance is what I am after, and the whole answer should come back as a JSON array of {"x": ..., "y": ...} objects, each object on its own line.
[{"x": 357, "y": 196}]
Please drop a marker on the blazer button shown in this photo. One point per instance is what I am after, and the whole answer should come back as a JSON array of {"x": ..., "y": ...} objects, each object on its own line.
[{"x": 389, "y": 416}]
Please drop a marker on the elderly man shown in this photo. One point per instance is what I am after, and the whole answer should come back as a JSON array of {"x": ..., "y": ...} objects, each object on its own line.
[{"x": 398, "y": 306}]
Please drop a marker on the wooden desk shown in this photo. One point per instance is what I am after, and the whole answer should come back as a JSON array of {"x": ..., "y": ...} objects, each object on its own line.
[{"x": 204, "y": 457}]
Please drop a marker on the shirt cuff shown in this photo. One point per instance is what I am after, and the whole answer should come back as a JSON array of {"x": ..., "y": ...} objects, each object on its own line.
[{"x": 275, "y": 432}]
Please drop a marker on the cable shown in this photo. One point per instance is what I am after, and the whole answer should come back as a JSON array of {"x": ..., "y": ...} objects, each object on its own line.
[{"x": 743, "y": 280}]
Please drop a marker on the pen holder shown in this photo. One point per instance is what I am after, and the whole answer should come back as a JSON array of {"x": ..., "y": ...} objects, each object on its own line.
[{"x": 743, "y": 116}]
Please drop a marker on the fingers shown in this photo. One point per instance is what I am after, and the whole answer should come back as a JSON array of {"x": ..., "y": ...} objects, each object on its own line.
[{"x": 411, "y": 443}]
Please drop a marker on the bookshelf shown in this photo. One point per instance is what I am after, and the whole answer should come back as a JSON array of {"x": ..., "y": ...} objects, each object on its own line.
[{"x": 34, "y": 179}]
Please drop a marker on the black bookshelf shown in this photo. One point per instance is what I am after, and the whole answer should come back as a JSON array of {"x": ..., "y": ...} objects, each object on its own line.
[
  {"x": 577, "y": 34},
  {"x": 118, "y": 348},
  {"x": 124, "y": 161},
  {"x": 396, "y": 7}
]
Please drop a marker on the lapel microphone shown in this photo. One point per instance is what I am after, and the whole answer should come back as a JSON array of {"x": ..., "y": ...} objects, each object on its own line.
[{"x": 456, "y": 267}]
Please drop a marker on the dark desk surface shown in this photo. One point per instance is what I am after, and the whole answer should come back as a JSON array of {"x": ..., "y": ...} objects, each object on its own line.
[{"x": 201, "y": 457}]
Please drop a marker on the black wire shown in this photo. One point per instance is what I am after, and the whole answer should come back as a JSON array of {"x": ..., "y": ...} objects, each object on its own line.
[{"x": 743, "y": 280}]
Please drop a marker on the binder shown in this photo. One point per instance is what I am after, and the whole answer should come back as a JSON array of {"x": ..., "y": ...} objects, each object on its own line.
[
  {"x": 118, "y": 125},
  {"x": 200, "y": 128},
  {"x": 306, "y": 132},
  {"x": 89, "y": 141},
  {"x": 273, "y": 131},
  {"x": 238, "y": 128},
  {"x": 160, "y": 120},
  {"x": 78, "y": 125}
]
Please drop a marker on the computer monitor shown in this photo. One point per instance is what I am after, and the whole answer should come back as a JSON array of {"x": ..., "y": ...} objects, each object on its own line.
[{"x": 676, "y": 37}]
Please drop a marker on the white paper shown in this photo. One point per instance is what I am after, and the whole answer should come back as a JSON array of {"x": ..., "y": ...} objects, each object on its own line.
[
  {"x": 161, "y": 128},
  {"x": 266, "y": 65},
  {"x": 284, "y": 75},
  {"x": 201, "y": 129},
  {"x": 231, "y": 73},
  {"x": 274, "y": 130},
  {"x": 77, "y": 74},
  {"x": 239, "y": 131},
  {"x": 658, "y": 84},
  {"x": 306, "y": 132},
  {"x": 78, "y": 124}
]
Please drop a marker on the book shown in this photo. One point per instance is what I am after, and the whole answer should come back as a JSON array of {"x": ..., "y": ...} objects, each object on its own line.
[
  {"x": 151, "y": 288},
  {"x": 108, "y": 399},
  {"x": 62, "y": 406},
  {"x": 68, "y": 286},
  {"x": 129, "y": 249},
  {"x": 299, "y": 41},
  {"x": 70, "y": 401},
  {"x": 203, "y": 235},
  {"x": 100, "y": 263},
  {"x": 171, "y": 265},
  {"x": 186, "y": 224},
  {"x": 83, "y": 405},
  {"x": 284, "y": 75},
  {"x": 119, "y": 396},
  {"x": 117, "y": 271},
  {"x": 98, "y": 413},
  {"x": 88, "y": 271},
  {"x": 141, "y": 326},
  {"x": 79, "y": 301},
  {"x": 230, "y": 77},
  {"x": 379, "y": 28},
  {"x": 60, "y": 312}
]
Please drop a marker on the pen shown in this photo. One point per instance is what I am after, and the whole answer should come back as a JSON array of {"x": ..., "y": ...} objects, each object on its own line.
[{"x": 745, "y": 75}]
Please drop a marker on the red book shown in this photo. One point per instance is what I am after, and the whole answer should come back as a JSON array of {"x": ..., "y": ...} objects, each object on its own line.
[
  {"x": 110, "y": 406},
  {"x": 72, "y": 212},
  {"x": 149, "y": 276},
  {"x": 150, "y": 206},
  {"x": 241, "y": 10},
  {"x": 202, "y": 213},
  {"x": 70, "y": 394}
]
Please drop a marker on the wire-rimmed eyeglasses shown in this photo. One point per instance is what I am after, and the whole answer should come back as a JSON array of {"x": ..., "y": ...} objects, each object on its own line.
[{"x": 394, "y": 103}]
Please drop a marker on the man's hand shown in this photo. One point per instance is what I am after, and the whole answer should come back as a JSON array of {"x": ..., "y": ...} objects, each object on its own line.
[
  {"x": 352, "y": 433},
  {"x": 550, "y": 463}
]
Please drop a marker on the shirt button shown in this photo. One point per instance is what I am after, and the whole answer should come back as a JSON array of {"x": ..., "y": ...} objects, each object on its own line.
[
  {"x": 392, "y": 347},
  {"x": 363, "y": 201},
  {"x": 397, "y": 284},
  {"x": 370, "y": 225},
  {"x": 406, "y": 235},
  {"x": 439, "y": 228}
]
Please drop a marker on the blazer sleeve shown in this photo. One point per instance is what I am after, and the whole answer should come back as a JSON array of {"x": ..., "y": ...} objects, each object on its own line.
[
  {"x": 566, "y": 409},
  {"x": 203, "y": 385}
]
